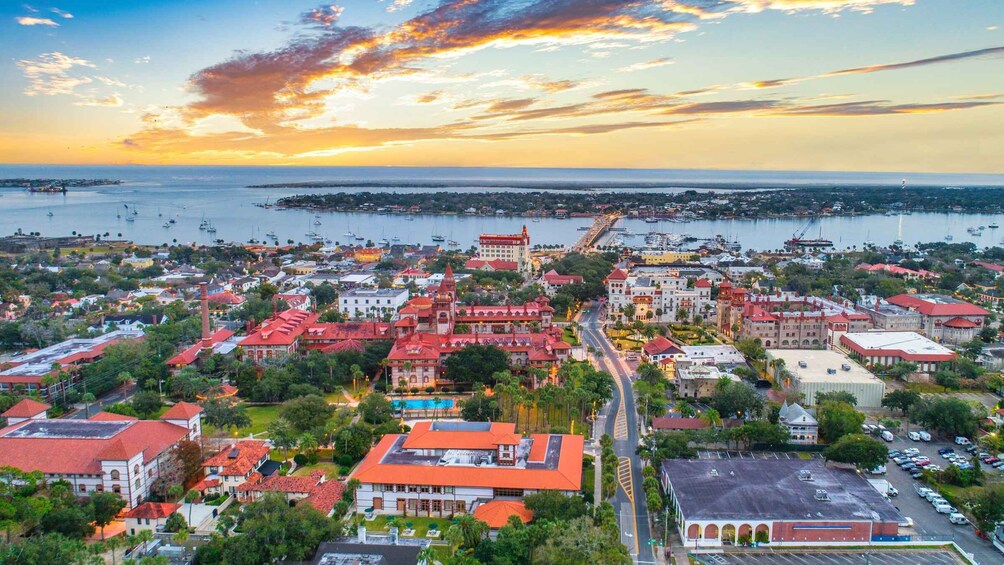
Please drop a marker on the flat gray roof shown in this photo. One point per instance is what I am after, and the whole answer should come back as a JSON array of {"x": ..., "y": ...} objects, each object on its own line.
[{"x": 770, "y": 489}]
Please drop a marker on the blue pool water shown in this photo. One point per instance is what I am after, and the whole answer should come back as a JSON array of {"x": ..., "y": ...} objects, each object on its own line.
[{"x": 423, "y": 404}]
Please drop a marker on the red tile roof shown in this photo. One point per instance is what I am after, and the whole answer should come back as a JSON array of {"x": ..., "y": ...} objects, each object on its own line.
[
  {"x": 960, "y": 323},
  {"x": 676, "y": 423},
  {"x": 112, "y": 417},
  {"x": 26, "y": 409},
  {"x": 702, "y": 283},
  {"x": 617, "y": 275},
  {"x": 933, "y": 308},
  {"x": 153, "y": 510},
  {"x": 226, "y": 297},
  {"x": 345, "y": 345},
  {"x": 79, "y": 456},
  {"x": 188, "y": 356},
  {"x": 497, "y": 512},
  {"x": 182, "y": 411},
  {"x": 283, "y": 329},
  {"x": 249, "y": 452},
  {"x": 495, "y": 264},
  {"x": 552, "y": 277},
  {"x": 661, "y": 346}
]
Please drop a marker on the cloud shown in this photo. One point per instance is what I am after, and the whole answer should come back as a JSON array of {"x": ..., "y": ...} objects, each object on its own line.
[
  {"x": 948, "y": 58},
  {"x": 141, "y": 60},
  {"x": 878, "y": 108},
  {"x": 826, "y": 6},
  {"x": 644, "y": 66},
  {"x": 50, "y": 74},
  {"x": 992, "y": 28},
  {"x": 113, "y": 101},
  {"x": 31, "y": 21},
  {"x": 323, "y": 16},
  {"x": 398, "y": 5},
  {"x": 62, "y": 13},
  {"x": 725, "y": 107}
]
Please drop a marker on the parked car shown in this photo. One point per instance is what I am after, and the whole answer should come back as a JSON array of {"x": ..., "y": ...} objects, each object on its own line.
[
  {"x": 887, "y": 435},
  {"x": 957, "y": 518},
  {"x": 880, "y": 470},
  {"x": 906, "y": 522},
  {"x": 921, "y": 490},
  {"x": 959, "y": 440},
  {"x": 946, "y": 450},
  {"x": 916, "y": 474},
  {"x": 893, "y": 454},
  {"x": 971, "y": 449},
  {"x": 892, "y": 491},
  {"x": 946, "y": 509},
  {"x": 924, "y": 436},
  {"x": 914, "y": 436},
  {"x": 931, "y": 495}
]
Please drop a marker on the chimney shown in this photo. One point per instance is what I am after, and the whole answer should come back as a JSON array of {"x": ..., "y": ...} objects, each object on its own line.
[{"x": 207, "y": 342}]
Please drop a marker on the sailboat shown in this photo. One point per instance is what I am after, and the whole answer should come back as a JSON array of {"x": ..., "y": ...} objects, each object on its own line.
[
  {"x": 349, "y": 233},
  {"x": 211, "y": 228},
  {"x": 437, "y": 236},
  {"x": 49, "y": 214}
]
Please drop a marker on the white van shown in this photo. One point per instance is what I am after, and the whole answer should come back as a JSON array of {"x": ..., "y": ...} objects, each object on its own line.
[
  {"x": 914, "y": 436},
  {"x": 944, "y": 508},
  {"x": 924, "y": 436},
  {"x": 959, "y": 440},
  {"x": 957, "y": 518},
  {"x": 887, "y": 435}
]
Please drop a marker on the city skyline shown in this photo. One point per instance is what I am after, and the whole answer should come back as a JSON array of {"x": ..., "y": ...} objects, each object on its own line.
[{"x": 855, "y": 85}]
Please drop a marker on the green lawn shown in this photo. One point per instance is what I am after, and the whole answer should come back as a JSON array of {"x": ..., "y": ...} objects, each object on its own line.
[
  {"x": 588, "y": 475},
  {"x": 934, "y": 388},
  {"x": 568, "y": 336},
  {"x": 420, "y": 524},
  {"x": 261, "y": 417},
  {"x": 330, "y": 469}
]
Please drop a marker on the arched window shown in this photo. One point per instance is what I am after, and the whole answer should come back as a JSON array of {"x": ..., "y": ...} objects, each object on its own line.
[
  {"x": 116, "y": 489},
  {"x": 115, "y": 475},
  {"x": 135, "y": 469}
]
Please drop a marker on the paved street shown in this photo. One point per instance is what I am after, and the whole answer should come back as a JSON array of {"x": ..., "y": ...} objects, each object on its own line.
[
  {"x": 621, "y": 423},
  {"x": 120, "y": 394},
  {"x": 917, "y": 557}
]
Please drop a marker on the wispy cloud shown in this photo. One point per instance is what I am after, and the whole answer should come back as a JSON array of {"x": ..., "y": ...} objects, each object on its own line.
[
  {"x": 948, "y": 58},
  {"x": 62, "y": 13},
  {"x": 324, "y": 16},
  {"x": 113, "y": 101},
  {"x": 33, "y": 21},
  {"x": 50, "y": 74},
  {"x": 396, "y": 5},
  {"x": 644, "y": 66}
]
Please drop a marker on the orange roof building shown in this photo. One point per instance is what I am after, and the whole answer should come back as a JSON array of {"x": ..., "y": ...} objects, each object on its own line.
[
  {"x": 236, "y": 465},
  {"x": 26, "y": 409},
  {"x": 107, "y": 453},
  {"x": 497, "y": 512},
  {"x": 445, "y": 468}
]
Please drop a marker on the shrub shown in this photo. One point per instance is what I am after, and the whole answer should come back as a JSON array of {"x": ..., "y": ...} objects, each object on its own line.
[
  {"x": 430, "y": 389},
  {"x": 345, "y": 460},
  {"x": 311, "y": 459},
  {"x": 648, "y": 471},
  {"x": 761, "y": 537},
  {"x": 300, "y": 459},
  {"x": 342, "y": 471},
  {"x": 414, "y": 390},
  {"x": 400, "y": 390}
]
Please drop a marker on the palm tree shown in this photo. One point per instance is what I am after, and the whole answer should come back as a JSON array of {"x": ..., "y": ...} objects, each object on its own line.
[
  {"x": 307, "y": 443},
  {"x": 455, "y": 537},
  {"x": 436, "y": 401},
  {"x": 711, "y": 417},
  {"x": 87, "y": 398},
  {"x": 426, "y": 556}
]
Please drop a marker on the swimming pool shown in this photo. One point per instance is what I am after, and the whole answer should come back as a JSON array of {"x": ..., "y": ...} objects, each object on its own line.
[{"x": 423, "y": 404}]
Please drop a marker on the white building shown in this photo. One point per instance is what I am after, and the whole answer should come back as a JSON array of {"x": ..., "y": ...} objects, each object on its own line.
[
  {"x": 698, "y": 381},
  {"x": 889, "y": 348},
  {"x": 803, "y": 429},
  {"x": 658, "y": 296},
  {"x": 107, "y": 453},
  {"x": 818, "y": 370},
  {"x": 371, "y": 302},
  {"x": 446, "y": 468},
  {"x": 514, "y": 247}
]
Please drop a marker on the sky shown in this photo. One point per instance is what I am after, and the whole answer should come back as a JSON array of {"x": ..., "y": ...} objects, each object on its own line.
[{"x": 831, "y": 85}]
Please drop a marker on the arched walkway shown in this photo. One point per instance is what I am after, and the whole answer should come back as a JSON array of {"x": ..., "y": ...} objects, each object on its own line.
[
  {"x": 761, "y": 534},
  {"x": 694, "y": 531},
  {"x": 746, "y": 530},
  {"x": 711, "y": 532},
  {"x": 728, "y": 534}
]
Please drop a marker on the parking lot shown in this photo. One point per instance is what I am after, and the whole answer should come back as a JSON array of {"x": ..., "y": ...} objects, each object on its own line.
[
  {"x": 915, "y": 557},
  {"x": 928, "y": 524},
  {"x": 758, "y": 455}
]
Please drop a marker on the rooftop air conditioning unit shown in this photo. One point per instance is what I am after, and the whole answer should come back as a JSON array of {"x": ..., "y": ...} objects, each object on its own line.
[
  {"x": 714, "y": 472},
  {"x": 845, "y": 367},
  {"x": 821, "y": 494},
  {"x": 831, "y": 371},
  {"x": 805, "y": 475},
  {"x": 803, "y": 364}
]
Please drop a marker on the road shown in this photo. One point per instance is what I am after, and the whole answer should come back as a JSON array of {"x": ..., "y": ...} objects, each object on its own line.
[
  {"x": 119, "y": 394},
  {"x": 621, "y": 424}
]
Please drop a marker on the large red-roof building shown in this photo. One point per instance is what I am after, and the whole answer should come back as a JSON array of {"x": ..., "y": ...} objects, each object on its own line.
[
  {"x": 446, "y": 468},
  {"x": 514, "y": 248},
  {"x": 944, "y": 318},
  {"x": 101, "y": 454}
]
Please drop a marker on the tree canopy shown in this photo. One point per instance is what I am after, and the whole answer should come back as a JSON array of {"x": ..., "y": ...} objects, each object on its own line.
[{"x": 863, "y": 451}]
